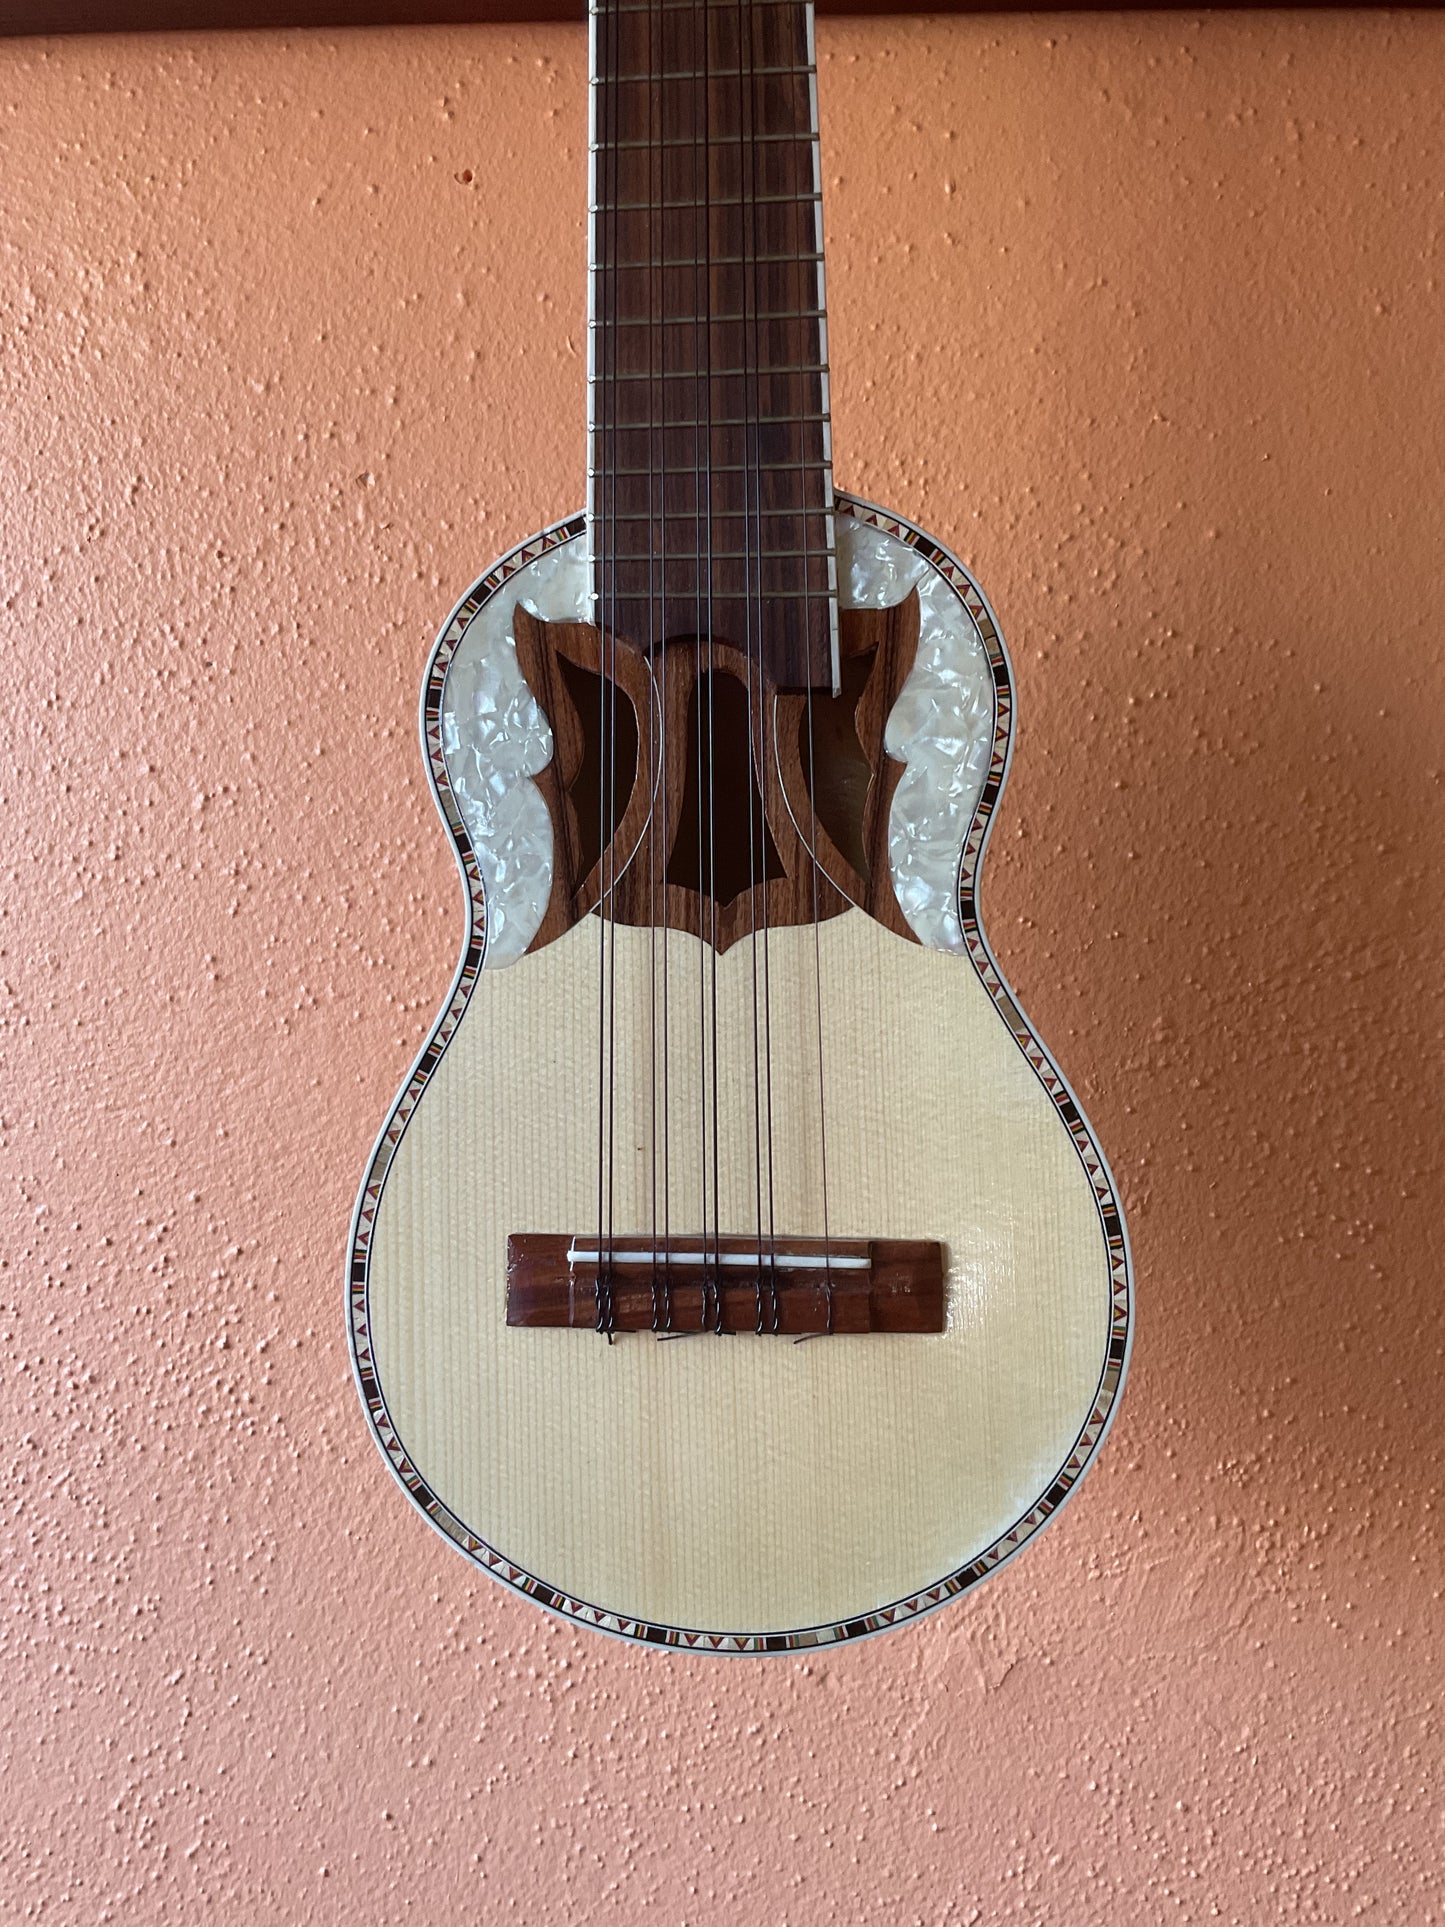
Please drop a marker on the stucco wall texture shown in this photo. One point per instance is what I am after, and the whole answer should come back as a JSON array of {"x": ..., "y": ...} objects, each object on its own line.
[{"x": 1144, "y": 316}]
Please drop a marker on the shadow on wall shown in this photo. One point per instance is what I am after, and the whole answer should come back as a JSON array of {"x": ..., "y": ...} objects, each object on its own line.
[{"x": 1257, "y": 1019}]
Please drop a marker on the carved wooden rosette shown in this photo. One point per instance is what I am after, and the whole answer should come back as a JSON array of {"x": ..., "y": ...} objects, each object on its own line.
[{"x": 632, "y": 817}]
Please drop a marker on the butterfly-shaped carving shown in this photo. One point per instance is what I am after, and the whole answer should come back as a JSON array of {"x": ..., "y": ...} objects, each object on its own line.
[{"x": 688, "y": 797}]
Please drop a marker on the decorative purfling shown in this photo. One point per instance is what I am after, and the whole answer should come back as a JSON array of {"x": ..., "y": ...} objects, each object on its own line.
[{"x": 719, "y": 760}]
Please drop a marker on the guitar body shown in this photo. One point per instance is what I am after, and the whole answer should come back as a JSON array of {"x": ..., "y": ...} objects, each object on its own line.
[{"x": 736, "y": 1491}]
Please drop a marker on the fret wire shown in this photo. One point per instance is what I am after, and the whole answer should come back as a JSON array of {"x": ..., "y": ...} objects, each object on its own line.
[
  {"x": 716, "y": 320},
  {"x": 721, "y": 597},
  {"x": 728, "y": 7},
  {"x": 716, "y": 468},
  {"x": 717, "y": 421},
  {"x": 724, "y": 555},
  {"x": 714, "y": 374},
  {"x": 695, "y": 73},
  {"x": 713, "y": 200},
  {"x": 721, "y": 140},
  {"x": 701, "y": 261},
  {"x": 632, "y": 523},
  {"x": 716, "y": 514}
]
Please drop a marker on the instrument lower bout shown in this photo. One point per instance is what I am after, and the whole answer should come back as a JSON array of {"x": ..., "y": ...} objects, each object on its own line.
[
  {"x": 784, "y": 1287},
  {"x": 763, "y": 1497}
]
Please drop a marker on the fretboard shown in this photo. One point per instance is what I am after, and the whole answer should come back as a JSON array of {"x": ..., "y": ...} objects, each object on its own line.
[{"x": 710, "y": 484}]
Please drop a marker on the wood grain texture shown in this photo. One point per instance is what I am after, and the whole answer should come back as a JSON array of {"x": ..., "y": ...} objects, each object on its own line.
[
  {"x": 721, "y": 1484},
  {"x": 711, "y": 492},
  {"x": 836, "y": 775},
  {"x": 797, "y": 745},
  {"x": 771, "y": 1285}
]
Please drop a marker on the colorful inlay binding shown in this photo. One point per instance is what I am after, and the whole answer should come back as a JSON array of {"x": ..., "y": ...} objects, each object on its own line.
[{"x": 980, "y": 956}]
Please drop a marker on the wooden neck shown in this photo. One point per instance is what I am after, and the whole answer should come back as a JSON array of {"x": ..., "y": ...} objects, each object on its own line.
[{"x": 710, "y": 497}]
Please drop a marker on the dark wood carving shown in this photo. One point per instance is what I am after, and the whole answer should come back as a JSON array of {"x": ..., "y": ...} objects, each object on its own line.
[
  {"x": 778, "y": 785},
  {"x": 852, "y": 778},
  {"x": 789, "y": 1287}
]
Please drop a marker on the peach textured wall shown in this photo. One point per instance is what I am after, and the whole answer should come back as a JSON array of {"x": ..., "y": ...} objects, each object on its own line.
[{"x": 1144, "y": 316}]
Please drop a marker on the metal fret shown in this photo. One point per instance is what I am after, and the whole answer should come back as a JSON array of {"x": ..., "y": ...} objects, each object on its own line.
[
  {"x": 721, "y": 598},
  {"x": 713, "y": 320},
  {"x": 705, "y": 513},
  {"x": 712, "y": 201},
  {"x": 780, "y": 124},
  {"x": 818, "y": 554},
  {"x": 686, "y": 472},
  {"x": 718, "y": 421},
  {"x": 696, "y": 73},
  {"x": 704, "y": 261},
  {"x": 728, "y": 141},
  {"x": 608, "y": 377},
  {"x": 727, "y": 8}
]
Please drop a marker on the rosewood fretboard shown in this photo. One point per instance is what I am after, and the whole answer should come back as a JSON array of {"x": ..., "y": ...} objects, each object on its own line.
[{"x": 710, "y": 487}]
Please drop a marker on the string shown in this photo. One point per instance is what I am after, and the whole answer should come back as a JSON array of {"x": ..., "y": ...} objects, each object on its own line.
[
  {"x": 758, "y": 742},
  {"x": 825, "y": 470},
  {"x": 607, "y": 773},
  {"x": 702, "y": 410},
  {"x": 603, "y": 110},
  {"x": 610, "y": 825},
  {"x": 706, "y": 197},
  {"x": 662, "y": 792},
  {"x": 654, "y": 195},
  {"x": 610, "y": 40},
  {"x": 765, "y": 777},
  {"x": 751, "y": 409}
]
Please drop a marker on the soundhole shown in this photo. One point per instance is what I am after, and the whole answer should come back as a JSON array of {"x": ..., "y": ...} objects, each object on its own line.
[
  {"x": 836, "y": 769},
  {"x": 723, "y": 845},
  {"x": 608, "y": 770},
  {"x": 719, "y": 805}
]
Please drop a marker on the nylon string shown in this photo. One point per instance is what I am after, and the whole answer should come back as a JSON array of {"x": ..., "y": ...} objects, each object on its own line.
[{"x": 760, "y": 754}]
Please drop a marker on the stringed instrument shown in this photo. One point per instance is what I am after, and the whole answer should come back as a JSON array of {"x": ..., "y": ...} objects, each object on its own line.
[{"x": 735, "y": 1270}]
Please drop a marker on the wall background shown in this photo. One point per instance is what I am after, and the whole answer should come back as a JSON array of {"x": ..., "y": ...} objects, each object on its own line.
[{"x": 1144, "y": 316}]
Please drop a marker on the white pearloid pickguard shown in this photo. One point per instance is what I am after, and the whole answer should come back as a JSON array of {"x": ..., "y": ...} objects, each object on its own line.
[{"x": 495, "y": 738}]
